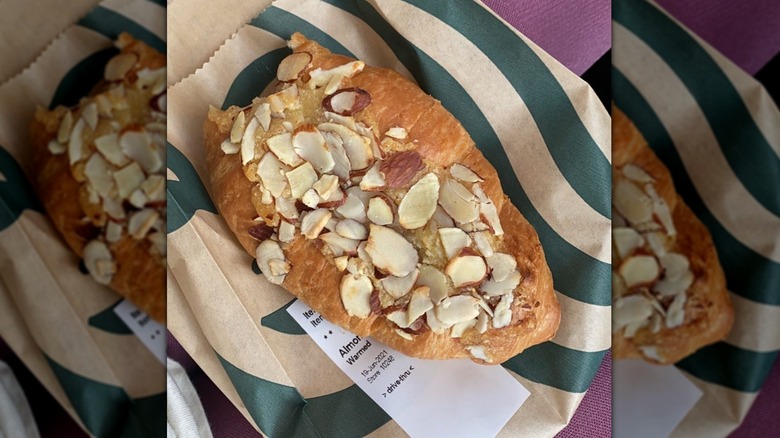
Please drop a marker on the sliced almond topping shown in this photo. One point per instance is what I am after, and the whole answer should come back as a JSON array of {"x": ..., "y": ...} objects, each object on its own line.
[
  {"x": 326, "y": 185},
  {"x": 292, "y": 66},
  {"x": 396, "y": 132},
  {"x": 97, "y": 253},
  {"x": 661, "y": 211},
  {"x": 353, "y": 208},
  {"x": 229, "y": 148},
  {"x": 141, "y": 222},
  {"x": 453, "y": 240},
  {"x": 495, "y": 288},
  {"x": 113, "y": 232},
  {"x": 482, "y": 322},
  {"x": 248, "y": 141},
  {"x": 675, "y": 265},
  {"x": 400, "y": 168},
  {"x": 285, "y": 99},
  {"x": 320, "y": 77},
  {"x": 373, "y": 180},
  {"x": 239, "y": 124},
  {"x": 638, "y": 270},
  {"x": 347, "y": 101},
  {"x": 667, "y": 287},
  {"x": 347, "y": 121},
  {"x": 341, "y": 164},
  {"x": 397, "y": 287},
  {"x": 301, "y": 179},
  {"x": 340, "y": 245},
  {"x": 113, "y": 208},
  {"x": 632, "y": 203},
  {"x": 458, "y": 202},
  {"x": 313, "y": 222},
  {"x": 357, "y": 147},
  {"x": 419, "y": 303},
  {"x": 636, "y": 173},
  {"x": 380, "y": 211},
  {"x": 341, "y": 263},
  {"x": 263, "y": 115},
  {"x": 399, "y": 317},
  {"x": 356, "y": 295},
  {"x": 502, "y": 315},
  {"x": 442, "y": 218},
  {"x": 434, "y": 323},
  {"x": 266, "y": 251},
  {"x": 435, "y": 280},
  {"x": 278, "y": 267},
  {"x": 404, "y": 335},
  {"x": 76, "y": 143},
  {"x": 272, "y": 174},
  {"x": 310, "y": 199},
  {"x": 281, "y": 145},
  {"x": 128, "y": 179},
  {"x": 310, "y": 145},
  {"x": 626, "y": 240},
  {"x": 501, "y": 265},
  {"x": 419, "y": 203},
  {"x": 463, "y": 173},
  {"x": 333, "y": 84},
  {"x": 675, "y": 316},
  {"x": 287, "y": 209},
  {"x": 630, "y": 309},
  {"x": 286, "y": 232},
  {"x": 336, "y": 199},
  {"x": 90, "y": 115},
  {"x": 466, "y": 270},
  {"x": 138, "y": 146},
  {"x": 138, "y": 198},
  {"x": 66, "y": 126},
  {"x": 482, "y": 242},
  {"x": 98, "y": 173},
  {"x": 118, "y": 66},
  {"x": 390, "y": 251},
  {"x": 55, "y": 147},
  {"x": 461, "y": 327},
  {"x": 453, "y": 310},
  {"x": 478, "y": 352},
  {"x": 352, "y": 229}
]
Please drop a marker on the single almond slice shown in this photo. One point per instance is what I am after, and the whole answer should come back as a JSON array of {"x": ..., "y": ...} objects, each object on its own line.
[
  {"x": 661, "y": 210},
  {"x": 502, "y": 314},
  {"x": 463, "y": 173},
  {"x": 501, "y": 265},
  {"x": 279, "y": 267},
  {"x": 313, "y": 222},
  {"x": 113, "y": 232},
  {"x": 436, "y": 280},
  {"x": 90, "y": 115},
  {"x": 453, "y": 240},
  {"x": 380, "y": 211},
  {"x": 301, "y": 179},
  {"x": 632, "y": 203},
  {"x": 494, "y": 287},
  {"x": 419, "y": 303},
  {"x": 281, "y": 146},
  {"x": 639, "y": 270},
  {"x": 239, "y": 125},
  {"x": 341, "y": 262},
  {"x": 99, "y": 175},
  {"x": 56, "y": 148},
  {"x": 357, "y": 147},
  {"x": 282, "y": 100},
  {"x": 139, "y": 147},
  {"x": 286, "y": 232},
  {"x": 482, "y": 322},
  {"x": 141, "y": 222},
  {"x": 310, "y": 199},
  {"x": 373, "y": 180},
  {"x": 266, "y": 251},
  {"x": 138, "y": 198},
  {"x": 356, "y": 295},
  {"x": 630, "y": 309},
  {"x": 263, "y": 115},
  {"x": 399, "y": 318},
  {"x": 229, "y": 148},
  {"x": 310, "y": 145},
  {"x": 675, "y": 316},
  {"x": 347, "y": 121},
  {"x": 434, "y": 323},
  {"x": 98, "y": 260},
  {"x": 400, "y": 168},
  {"x": 396, "y": 132},
  {"x": 272, "y": 173},
  {"x": 319, "y": 77},
  {"x": 340, "y": 245},
  {"x": 626, "y": 240},
  {"x": 248, "y": 141},
  {"x": 65, "y": 128},
  {"x": 347, "y": 101},
  {"x": 397, "y": 287},
  {"x": 351, "y": 229},
  {"x": 668, "y": 287},
  {"x": 286, "y": 208},
  {"x": 118, "y": 66},
  {"x": 390, "y": 251},
  {"x": 353, "y": 208},
  {"x": 419, "y": 203},
  {"x": 76, "y": 142},
  {"x": 675, "y": 265},
  {"x": 458, "y": 202},
  {"x": 442, "y": 219},
  {"x": 326, "y": 185},
  {"x": 341, "y": 164},
  {"x": 461, "y": 327},
  {"x": 292, "y": 66},
  {"x": 453, "y": 310},
  {"x": 336, "y": 199},
  {"x": 128, "y": 179},
  {"x": 466, "y": 270},
  {"x": 482, "y": 242},
  {"x": 636, "y": 173}
]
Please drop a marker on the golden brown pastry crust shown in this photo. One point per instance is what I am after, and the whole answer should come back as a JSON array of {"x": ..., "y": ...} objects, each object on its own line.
[
  {"x": 441, "y": 139},
  {"x": 708, "y": 310},
  {"x": 140, "y": 276}
]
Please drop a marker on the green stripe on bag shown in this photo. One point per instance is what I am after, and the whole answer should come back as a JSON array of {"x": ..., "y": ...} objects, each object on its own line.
[
  {"x": 188, "y": 194},
  {"x": 725, "y": 110},
  {"x": 590, "y": 284},
  {"x": 730, "y": 366},
  {"x": 557, "y": 366},
  {"x": 748, "y": 274},
  {"x": 110, "y": 24},
  {"x": 16, "y": 193}
]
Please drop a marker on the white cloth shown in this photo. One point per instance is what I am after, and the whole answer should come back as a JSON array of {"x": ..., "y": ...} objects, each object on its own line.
[
  {"x": 16, "y": 419},
  {"x": 186, "y": 418}
]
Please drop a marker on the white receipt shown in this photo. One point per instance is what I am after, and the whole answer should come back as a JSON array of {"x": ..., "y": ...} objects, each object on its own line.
[
  {"x": 150, "y": 332},
  {"x": 649, "y": 400},
  {"x": 452, "y": 398}
]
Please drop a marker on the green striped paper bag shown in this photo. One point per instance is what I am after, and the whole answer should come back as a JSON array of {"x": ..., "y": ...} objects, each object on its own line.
[
  {"x": 543, "y": 129},
  {"x": 58, "y": 320},
  {"x": 718, "y": 131}
]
